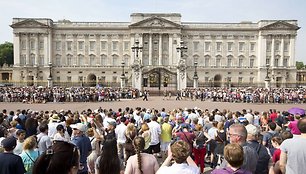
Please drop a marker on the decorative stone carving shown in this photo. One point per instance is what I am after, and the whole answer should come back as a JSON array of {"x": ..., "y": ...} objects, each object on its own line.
[{"x": 157, "y": 23}]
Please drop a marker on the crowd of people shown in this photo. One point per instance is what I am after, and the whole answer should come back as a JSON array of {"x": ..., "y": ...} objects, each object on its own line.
[
  {"x": 242, "y": 94},
  {"x": 147, "y": 141},
  {"x": 100, "y": 94},
  {"x": 34, "y": 94}
]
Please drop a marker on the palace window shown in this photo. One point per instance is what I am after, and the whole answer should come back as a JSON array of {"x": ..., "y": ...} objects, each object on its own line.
[
  {"x": 252, "y": 62},
  {"x": 115, "y": 45},
  {"x": 103, "y": 45},
  {"x": 23, "y": 59},
  {"x": 92, "y": 60},
  {"x": 206, "y": 61},
  {"x": 103, "y": 60},
  {"x": 230, "y": 46},
  {"x": 268, "y": 58},
  {"x": 219, "y": 45},
  {"x": 58, "y": 60},
  {"x": 252, "y": 46},
  {"x": 41, "y": 45},
  {"x": 92, "y": 45},
  {"x": 69, "y": 45},
  {"x": 81, "y": 45},
  {"x": 195, "y": 46},
  {"x": 23, "y": 45},
  {"x": 286, "y": 46},
  {"x": 277, "y": 46},
  {"x": 285, "y": 61},
  {"x": 268, "y": 46},
  {"x": 241, "y": 46},
  {"x": 41, "y": 60},
  {"x": 58, "y": 45},
  {"x": 69, "y": 60},
  {"x": 218, "y": 61},
  {"x": 32, "y": 44},
  {"x": 126, "y": 46},
  {"x": 229, "y": 61},
  {"x": 32, "y": 59},
  {"x": 81, "y": 60},
  {"x": 207, "y": 46},
  {"x": 240, "y": 62}
]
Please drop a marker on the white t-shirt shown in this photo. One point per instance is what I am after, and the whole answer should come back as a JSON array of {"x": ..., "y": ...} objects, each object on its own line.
[
  {"x": 155, "y": 132},
  {"x": 120, "y": 133},
  {"x": 178, "y": 169}
]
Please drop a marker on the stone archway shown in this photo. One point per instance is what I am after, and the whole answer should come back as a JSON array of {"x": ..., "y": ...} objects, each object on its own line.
[
  {"x": 217, "y": 80},
  {"x": 91, "y": 80}
]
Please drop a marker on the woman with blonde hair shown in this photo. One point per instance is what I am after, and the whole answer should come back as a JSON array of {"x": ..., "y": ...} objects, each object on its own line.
[
  {"x": 130, "y": 134},
  {"x": 141, "y": 163},
  {"x": 146, "y": 134},
  {"x": 29, "y": 154}
]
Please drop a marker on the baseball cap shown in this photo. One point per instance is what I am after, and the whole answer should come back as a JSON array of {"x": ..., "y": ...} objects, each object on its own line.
[
  {"x": 9, "y": 142},
  {"x": 79, "y": 126},
  {"x": 113, "y": 123},
  {"x": 251, "y": 129}
]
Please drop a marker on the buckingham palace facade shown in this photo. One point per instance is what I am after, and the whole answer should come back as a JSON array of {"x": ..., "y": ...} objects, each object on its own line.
[{"x": 154, "y": 50}]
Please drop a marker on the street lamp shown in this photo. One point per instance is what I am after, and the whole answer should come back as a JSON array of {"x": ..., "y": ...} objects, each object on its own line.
[
  {"x": 136, "y": 48},
  {"x": 195, "y": 75},
  {"x": 50, "y": 75},
  {"x": 182, "y": 48},
  {"x": 267, "y": 78},
  {"x": 122, "y": 65}
]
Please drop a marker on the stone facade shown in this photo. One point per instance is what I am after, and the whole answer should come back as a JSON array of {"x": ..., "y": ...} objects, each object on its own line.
[{"x": 222, "y": 54}]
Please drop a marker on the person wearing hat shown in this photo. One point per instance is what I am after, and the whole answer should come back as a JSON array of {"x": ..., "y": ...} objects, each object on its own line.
[
  {"x": 83, "y": 144},
  {"x": 263, "y": 155},
  {"x": 110, "y": 130},
  {"x": 9, "y": 162}
]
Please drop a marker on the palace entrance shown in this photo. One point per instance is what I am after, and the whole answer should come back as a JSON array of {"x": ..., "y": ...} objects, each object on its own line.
[{"x": 158, "y": 80}]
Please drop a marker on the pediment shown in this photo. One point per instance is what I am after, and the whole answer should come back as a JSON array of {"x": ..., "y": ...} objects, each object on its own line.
[
  {"x": 29, "y": 23},
  {"x": 155, "y": 22},
  {"x": 280, "y": 25}
]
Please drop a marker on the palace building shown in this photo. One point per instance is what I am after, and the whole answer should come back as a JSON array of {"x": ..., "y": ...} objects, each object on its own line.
[{"x": 154, "y": 51}]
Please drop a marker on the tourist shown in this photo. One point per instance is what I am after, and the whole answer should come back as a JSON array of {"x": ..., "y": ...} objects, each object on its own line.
[
  {"x": 83, "y": 144},
  {"x": 292, "y": 158},
  {"x": 234, "y": 155},
  {"x": 108, "y": 162},
  {"x": 62, "y": 158},
  {"x": 9, "y": 162},
  {"x": 141, "y": 163},
  {"x": 29, "y": 154},
  {"x": 180, "y": 153}
]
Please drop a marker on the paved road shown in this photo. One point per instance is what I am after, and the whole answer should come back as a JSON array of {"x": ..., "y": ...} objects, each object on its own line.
[{"x": 154, "y": 102}]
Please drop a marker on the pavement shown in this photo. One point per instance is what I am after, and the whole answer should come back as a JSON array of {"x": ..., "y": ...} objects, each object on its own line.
[{"x": 153, "y": 102}]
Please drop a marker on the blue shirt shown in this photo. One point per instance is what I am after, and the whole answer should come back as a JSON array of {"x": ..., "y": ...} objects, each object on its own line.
[{"x": 84, "y": 145}]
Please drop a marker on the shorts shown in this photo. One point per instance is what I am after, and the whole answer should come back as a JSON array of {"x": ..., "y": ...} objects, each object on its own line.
[
  {"x": 164, "y": 146},
  {"x": 154, "y": 148}
]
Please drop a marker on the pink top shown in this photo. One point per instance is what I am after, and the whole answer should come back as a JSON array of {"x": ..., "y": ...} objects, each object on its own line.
[
  {"x": 148, "y": 162},
  {"x": 293, "y": 127}
]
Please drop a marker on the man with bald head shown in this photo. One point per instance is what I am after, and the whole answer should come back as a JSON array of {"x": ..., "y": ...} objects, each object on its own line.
[{"x": 238, "y": 134}]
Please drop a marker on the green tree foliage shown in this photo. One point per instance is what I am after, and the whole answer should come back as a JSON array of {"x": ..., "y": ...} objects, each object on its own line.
[
  {"x": 299, "y": 65},
  {"x": 6, "y": 53}
]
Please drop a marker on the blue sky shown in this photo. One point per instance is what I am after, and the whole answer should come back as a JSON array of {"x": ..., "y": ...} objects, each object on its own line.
[{"x": 191, "y": 11}]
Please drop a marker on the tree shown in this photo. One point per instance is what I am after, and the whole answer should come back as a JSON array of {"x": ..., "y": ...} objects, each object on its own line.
[
  {"x": 299, "y": 65},
  {"x": 6, "y": 53}
]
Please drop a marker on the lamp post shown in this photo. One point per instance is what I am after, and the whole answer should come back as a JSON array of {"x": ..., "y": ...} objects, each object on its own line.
[
  {"x": 136, "y": 48},
  {"x": 195, "y": 75},
  {"x": 181, "y": 68},
  {"x": 50, "y": 75},
  {"x": 181, "y": 49},
  {"x": 136, "y": 67},
  {"x": 122, "y": 84},
  {"x": 267, "y": 78}
]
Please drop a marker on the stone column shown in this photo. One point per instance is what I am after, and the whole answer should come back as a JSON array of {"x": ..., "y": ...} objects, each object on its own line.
[
  {"x": 74, "y": 49},
  {"x": 160, "y": 51},
  {"x": 28, "y": 49},
  {"x": 97, "y": 51},
  {"x": 86, "y": 50},
  {"x": 37, "y": 51},
  {"x": 272, "y": 52},
  {"x": 292, "y": 51},
  {"x": 280, "y": 62},
  {"x": 63, "y": 56},
  {"x": 46, "y": 50},
  {"x": 150, "y": 49},
  {"x": 17, "y": 49},
  {"x": 170, "y": 49}
]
